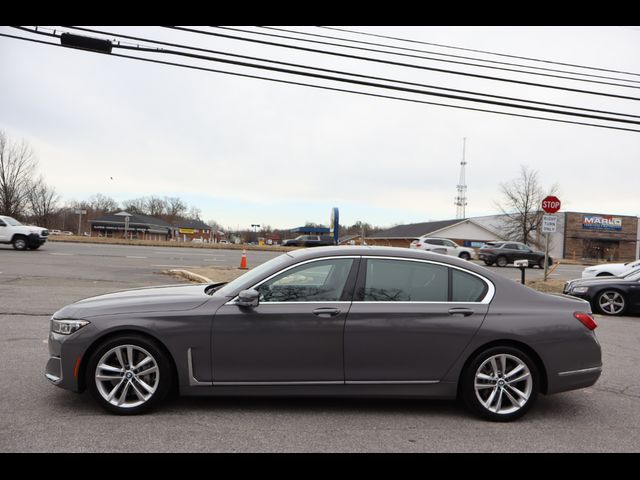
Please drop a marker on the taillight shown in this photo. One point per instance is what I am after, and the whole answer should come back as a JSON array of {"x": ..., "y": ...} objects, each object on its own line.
[
  {"x": 418, "y": 244},
  {"x": 586, "y": 319}
]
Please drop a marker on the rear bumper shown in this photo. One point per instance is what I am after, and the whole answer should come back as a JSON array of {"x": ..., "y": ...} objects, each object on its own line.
[{"x": 574, "y": 379}]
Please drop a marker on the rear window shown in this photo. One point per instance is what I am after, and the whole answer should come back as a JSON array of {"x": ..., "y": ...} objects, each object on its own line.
[{"x": 403, "y": 281}]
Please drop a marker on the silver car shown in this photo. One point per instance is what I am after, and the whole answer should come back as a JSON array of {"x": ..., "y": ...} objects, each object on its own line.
[{"x": 331, "y": 321}]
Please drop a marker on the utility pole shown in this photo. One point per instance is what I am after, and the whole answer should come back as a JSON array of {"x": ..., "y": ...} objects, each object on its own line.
[
  {"x": 80, "y": 212},
  {"x": 461, "y": 199}
]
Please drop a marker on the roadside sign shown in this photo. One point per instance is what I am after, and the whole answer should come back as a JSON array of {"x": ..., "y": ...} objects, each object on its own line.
[
  {"x": 551, "y": 204},
  {"x": 549, "y": 223}
]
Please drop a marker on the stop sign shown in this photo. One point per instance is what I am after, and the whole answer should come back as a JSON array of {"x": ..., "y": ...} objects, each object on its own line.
[{"x": 551, "y": 204}]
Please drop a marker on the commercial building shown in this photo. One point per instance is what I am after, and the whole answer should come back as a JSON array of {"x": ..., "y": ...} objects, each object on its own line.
[
  {"x": 124, "y": 224},
  {"x": 189, "y": 230},
  {"x": 578, "y": 236}
]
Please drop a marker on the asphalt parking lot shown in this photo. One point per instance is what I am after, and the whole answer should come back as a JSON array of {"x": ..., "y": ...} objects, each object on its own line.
[{"x": 35, "y": 416}]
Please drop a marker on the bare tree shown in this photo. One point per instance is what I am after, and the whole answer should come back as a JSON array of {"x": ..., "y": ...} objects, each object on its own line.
[
  {"x": 136, "y": 206},
  {"x": 101, "y": 204},
  {"x": 17, "y": 167},
  {"x": 43, "y": 203},
  {"x": 521, "y": 204},
  {"x": 176, "y": 209},
  {"x": 156, "y": 206}
]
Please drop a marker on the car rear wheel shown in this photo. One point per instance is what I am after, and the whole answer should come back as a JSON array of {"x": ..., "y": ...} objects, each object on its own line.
[
  {"x": 502, "y": 261},
  {"x": 611, "y": 302},
  {"x": 129, "y": 374},
  {"x": 500, "y": 384}
]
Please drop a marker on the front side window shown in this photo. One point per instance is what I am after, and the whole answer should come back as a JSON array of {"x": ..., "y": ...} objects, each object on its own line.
[
  {"x": 405, "y": 281},
  {"x": 321, "y": 281}
]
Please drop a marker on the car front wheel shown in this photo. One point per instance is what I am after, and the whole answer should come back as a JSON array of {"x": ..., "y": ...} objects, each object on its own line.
[
  {"x": 129, "y": 374},
  {"x": 611, "y": 302},
  {"x": 465, "y": 255},
  {"x": 502, "y": 261},
  {"x": 500, "y": 384},
  {"x": 20, "y": 243}
]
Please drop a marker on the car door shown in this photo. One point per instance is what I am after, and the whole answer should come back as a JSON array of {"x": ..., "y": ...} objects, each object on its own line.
[
  {"x": 4, "y": 236},
  {"x": 452, "y": 248},
  {"x": 410, "y": 320},
  {"x": 295, "y": 334}
]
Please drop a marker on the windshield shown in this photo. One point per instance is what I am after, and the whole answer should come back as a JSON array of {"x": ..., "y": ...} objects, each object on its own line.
[
  {"x": 253, "y": 274},
  {"x": 11, "y": 221}
]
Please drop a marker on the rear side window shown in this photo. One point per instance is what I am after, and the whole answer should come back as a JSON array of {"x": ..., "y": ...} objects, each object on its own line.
[
  {"x": 405, "y": 281},
  {"x": 466, "y": 287}
]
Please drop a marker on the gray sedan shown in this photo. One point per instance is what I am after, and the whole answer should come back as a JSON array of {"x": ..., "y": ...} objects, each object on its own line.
[{"x": 331, "y": 321}]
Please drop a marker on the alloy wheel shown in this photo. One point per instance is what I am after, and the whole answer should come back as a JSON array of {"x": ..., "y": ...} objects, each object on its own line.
[
  {"x": 127, "y": 376},
  {"x": 611, "y": 303},
  {"x": 503, "y": 384}
]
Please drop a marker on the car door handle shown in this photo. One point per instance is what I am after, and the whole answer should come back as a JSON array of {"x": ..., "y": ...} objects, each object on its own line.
[
  {"x": 465, "y": 312},
  {"x": 326, "y": 312}
]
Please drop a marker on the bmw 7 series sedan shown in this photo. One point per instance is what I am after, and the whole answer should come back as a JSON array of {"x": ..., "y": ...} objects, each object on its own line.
[{"x": 331, "y": 321}]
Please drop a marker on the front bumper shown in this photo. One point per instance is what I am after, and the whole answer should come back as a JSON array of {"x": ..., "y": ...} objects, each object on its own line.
[
  {"x": 35, "y": 240},
  {"x": 66, "y": 355}
]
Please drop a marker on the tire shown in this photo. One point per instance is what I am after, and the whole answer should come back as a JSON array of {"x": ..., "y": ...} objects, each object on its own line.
[
  {"x": 611, "y": 302},
  {"x": 20, "y": 242},
  {"x": 488, "y": 264},
  {"x": 130, "y": 392},
  {"x": 465, "y": 256},
  {"x": 502, "y": 261},
  {"x": 492, "y": 395}
]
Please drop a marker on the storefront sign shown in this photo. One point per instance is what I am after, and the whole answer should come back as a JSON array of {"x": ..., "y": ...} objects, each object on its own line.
[
  {"x": 601, "y": 222},
  {"x": 186, "y": 230}
]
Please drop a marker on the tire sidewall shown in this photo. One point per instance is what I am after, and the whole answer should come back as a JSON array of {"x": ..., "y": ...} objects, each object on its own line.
[
  {"x": 465, "y": 256},
  {"x": 468, "y": 392},
  {"x": 499, "y": 261},
  {"x": 164, "y": 365},
  {"x": 20, "y": 243}
]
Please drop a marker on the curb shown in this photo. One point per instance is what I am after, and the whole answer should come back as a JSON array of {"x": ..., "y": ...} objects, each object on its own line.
[{"x": 194, "y": 277}]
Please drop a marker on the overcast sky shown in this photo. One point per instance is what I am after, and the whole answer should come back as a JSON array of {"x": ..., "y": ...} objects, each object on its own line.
[{"x": 250, "y": 151}]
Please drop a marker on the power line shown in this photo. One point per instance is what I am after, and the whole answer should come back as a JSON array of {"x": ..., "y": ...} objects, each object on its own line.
[
  {"x": 389, "y": 62},
  {"x": 289, "y": 82},
  {"x": 328, "y": 71},
  {"x": 428, "y": 52},
  {"x": 480, "y": 51}
]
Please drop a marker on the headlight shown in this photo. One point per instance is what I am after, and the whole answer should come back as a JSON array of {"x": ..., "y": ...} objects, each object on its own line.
[
  {"x": 67, "y": 327},
  {"x": 580, "y": 289}
]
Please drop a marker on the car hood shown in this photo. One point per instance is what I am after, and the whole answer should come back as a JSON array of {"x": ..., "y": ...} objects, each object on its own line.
[
  {"x": 29, "y": 229},
  {"x": 169, "y": 298},
  {"x": 599, "y": 281}
]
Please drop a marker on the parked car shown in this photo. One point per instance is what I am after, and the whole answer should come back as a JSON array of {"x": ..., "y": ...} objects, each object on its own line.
[
  {"x": 54, "y": 232},
  {"x": 610, "y": 269},
  {"x": 309, "y": 241},
  {"x": 609, "y": 295},
  {"x": 504, "y": 253},
  {"x": 22, "y": 237},
  {"x": 443, "y": 245},
  {"x": 331, "y": 321}
]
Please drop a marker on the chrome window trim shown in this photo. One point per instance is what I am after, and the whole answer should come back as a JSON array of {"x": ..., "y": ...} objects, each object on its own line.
[
  {"x": 235, "y": 298},
  {"x": 491, "y": 290}
]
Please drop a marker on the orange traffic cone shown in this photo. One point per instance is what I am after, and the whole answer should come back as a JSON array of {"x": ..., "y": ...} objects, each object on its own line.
[{"x": 243, "y": 262}]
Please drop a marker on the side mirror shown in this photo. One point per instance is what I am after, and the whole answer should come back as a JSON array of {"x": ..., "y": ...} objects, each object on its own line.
[{"x": 248, "y": 298}]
